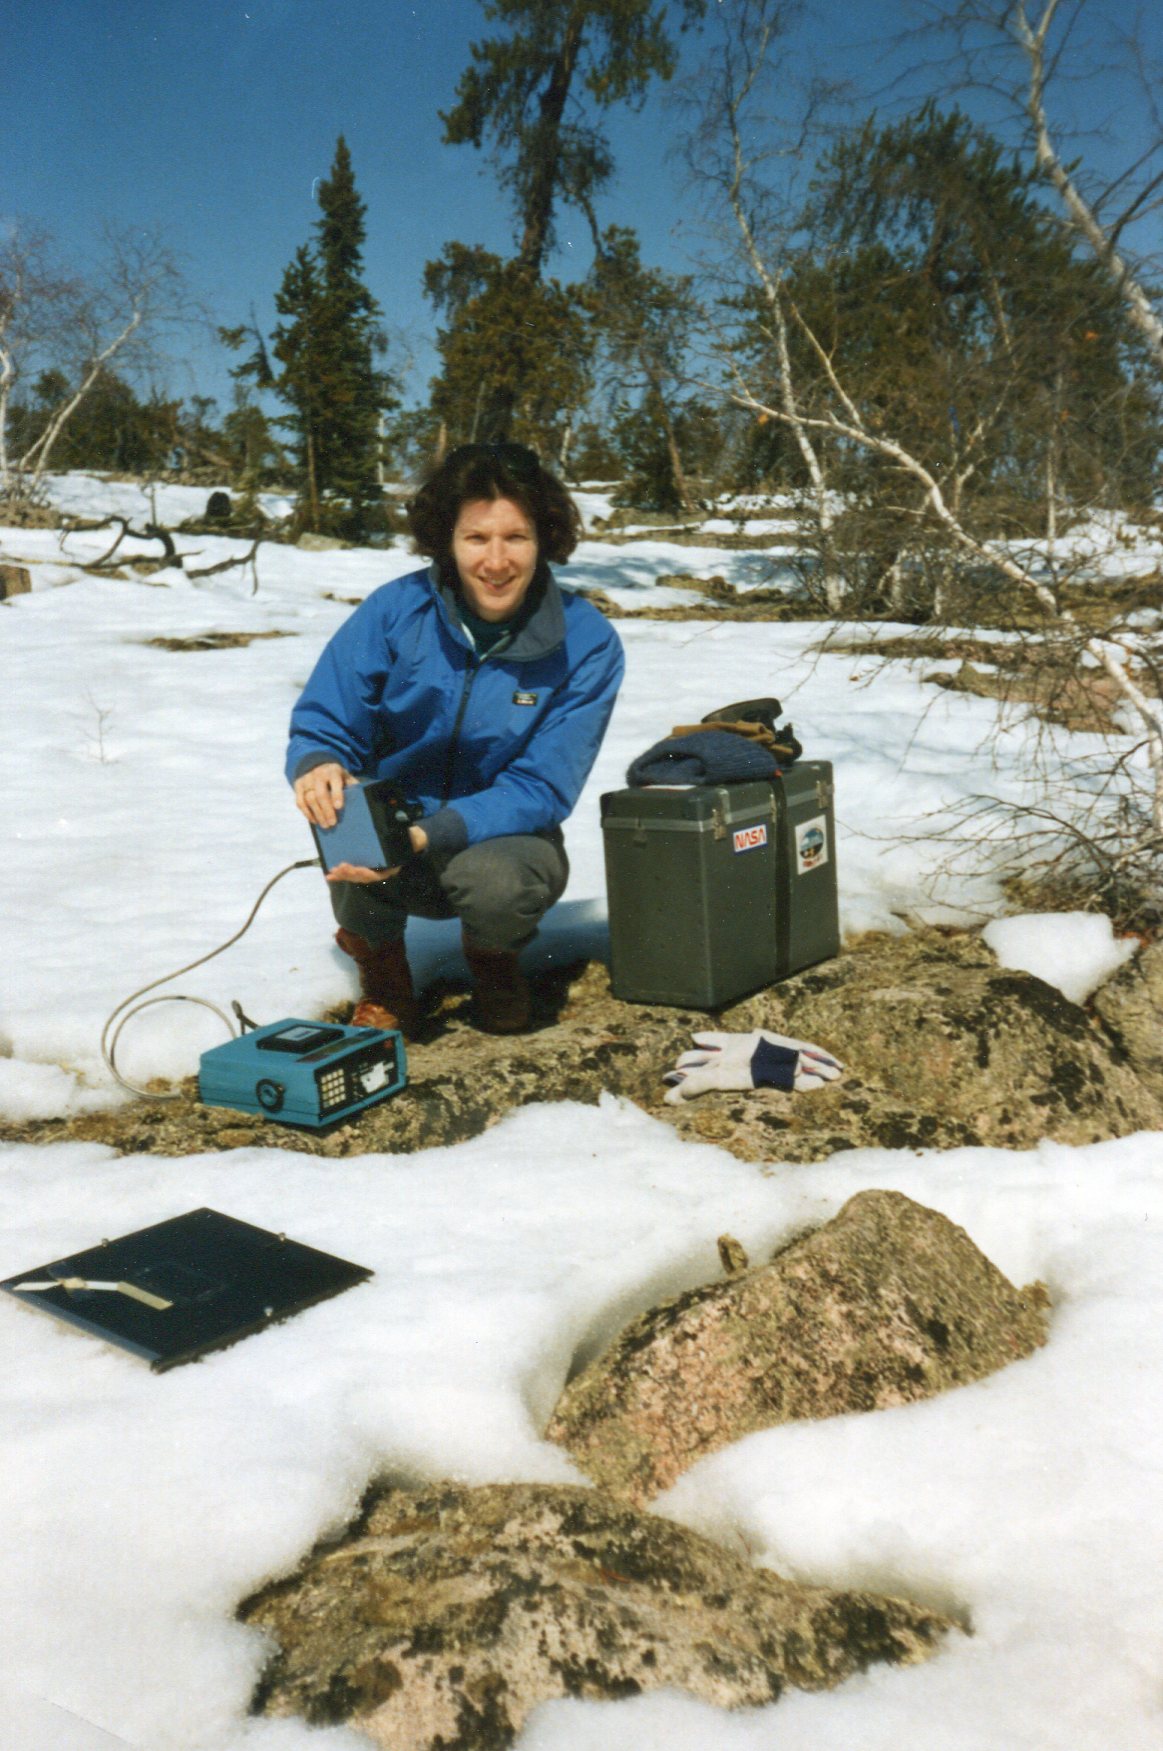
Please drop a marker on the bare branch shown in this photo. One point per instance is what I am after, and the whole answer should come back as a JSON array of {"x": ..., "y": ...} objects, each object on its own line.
[
  {"x": 1080, "y": 214},
  {"x": 78, "y": 328},
  {"x": 243, "y": 559}
]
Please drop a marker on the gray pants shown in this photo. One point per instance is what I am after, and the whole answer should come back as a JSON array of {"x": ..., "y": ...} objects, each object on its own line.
[{"x": 500, "y": 890}]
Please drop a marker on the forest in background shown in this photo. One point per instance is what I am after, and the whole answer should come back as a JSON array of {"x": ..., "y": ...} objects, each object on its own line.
[
  {"x": 967, "y": 293},
  {"x": 933, "y": 341}
]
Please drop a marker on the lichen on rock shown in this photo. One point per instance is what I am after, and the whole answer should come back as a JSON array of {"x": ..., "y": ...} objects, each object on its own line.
[
  {"x": 942, "y": 1049},
  {"x": 1131, "y": 1008},
  {"x": 888, "y": 1303},
  {"x": 448, "y": 1613}
]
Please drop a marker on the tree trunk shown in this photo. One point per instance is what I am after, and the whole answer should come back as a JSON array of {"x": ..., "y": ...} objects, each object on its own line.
[
  {"x": 538, "y": 210},
  {"x": 1052, "y": 464},
  {"x": 7, "y": 376},
  {"x": 893, "y": 582},
  {"x": 672, "y": 450},
  {"x": 476, "y": 412},
  {"x": 312, "y": 483},
  {"x": 1080, "y": 215}
]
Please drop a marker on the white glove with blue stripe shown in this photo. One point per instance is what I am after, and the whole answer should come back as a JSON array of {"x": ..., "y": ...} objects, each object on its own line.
[{"x": 755, "y": 1060}]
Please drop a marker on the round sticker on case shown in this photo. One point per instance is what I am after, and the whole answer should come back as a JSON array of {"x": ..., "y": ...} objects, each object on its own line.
[{"x": 811, "y": 844}]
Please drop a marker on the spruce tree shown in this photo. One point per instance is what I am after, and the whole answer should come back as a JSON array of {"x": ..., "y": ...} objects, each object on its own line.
[
  {"x": 325, "y": 349},
  {"x": 959, "y": 319},
  {"x": 515, "y": 96},
  {"x": 297, "y": 345},
  {"x": 347, "y": 437},
  {"x": 646, "y": 317}
]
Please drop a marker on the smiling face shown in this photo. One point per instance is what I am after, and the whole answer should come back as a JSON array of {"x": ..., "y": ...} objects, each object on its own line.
[{"x": 494, "y": 545}]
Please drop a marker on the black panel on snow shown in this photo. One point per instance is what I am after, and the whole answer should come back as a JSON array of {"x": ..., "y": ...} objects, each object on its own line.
[{"x": 180, "y": 1288}]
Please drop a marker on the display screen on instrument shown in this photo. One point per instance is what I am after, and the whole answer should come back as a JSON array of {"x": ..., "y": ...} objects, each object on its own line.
[{"x": 300, "y": 1038}]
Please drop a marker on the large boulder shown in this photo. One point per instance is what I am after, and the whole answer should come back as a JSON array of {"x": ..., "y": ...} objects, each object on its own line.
[
  {"x": 887, "y": 1303},
  {"x": 1131, "y": 1008},
  {"x": 447, "y": 1614}
]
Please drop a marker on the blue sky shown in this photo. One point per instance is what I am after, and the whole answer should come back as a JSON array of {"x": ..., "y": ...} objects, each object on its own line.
[{"x": 214, "y": 118}]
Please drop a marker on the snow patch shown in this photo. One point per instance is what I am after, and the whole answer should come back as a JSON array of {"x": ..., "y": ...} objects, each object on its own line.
[{"x": 1074, "y": 951}]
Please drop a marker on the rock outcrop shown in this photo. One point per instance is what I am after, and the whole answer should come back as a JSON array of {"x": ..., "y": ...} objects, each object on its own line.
[
  {"x": 1131, "y": 1008},
  {"x": 942, "y": 1047},
  {"x": 886, "y": 1304},
  {"x": 448, "y": 1613},
  {"x": 15, "y": 580}
]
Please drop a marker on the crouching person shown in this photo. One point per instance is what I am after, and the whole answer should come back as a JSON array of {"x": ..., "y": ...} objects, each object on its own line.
[{"x": 484, "y": 692}]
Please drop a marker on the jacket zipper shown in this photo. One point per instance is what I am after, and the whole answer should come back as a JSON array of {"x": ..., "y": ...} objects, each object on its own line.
[{"x": 475, "y": 664}]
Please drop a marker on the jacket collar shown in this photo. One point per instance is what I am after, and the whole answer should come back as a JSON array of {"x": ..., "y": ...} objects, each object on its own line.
[{"x": 541, "y": 631}]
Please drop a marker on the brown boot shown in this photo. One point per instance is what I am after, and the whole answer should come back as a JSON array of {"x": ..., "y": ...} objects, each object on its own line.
[
  {"x": 504, "y": 1002},
  {"x": 387, "y": 999}
]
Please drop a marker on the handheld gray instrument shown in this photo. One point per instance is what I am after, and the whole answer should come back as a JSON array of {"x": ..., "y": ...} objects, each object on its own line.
[{"x": 371, "y": 831}]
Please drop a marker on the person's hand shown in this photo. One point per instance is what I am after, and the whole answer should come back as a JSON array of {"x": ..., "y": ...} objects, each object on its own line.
[
  {"x": 319, "y": 793},
  {"x": 354, "y": 872}
]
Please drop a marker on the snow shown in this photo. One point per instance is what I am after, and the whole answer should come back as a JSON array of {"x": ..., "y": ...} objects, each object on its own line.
[
  {"x": 159, "y": 811},
  {"x": 94, "y": 495},
  {"x": 1074, "y": 951},
  {"x": 629, "y": 573},
  {"x": 140, "y": 1509},
  {"x": 1022, "y": 1503}
]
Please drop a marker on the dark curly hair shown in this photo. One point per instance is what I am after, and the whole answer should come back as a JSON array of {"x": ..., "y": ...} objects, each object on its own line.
[{"x": 493, "y": 471}]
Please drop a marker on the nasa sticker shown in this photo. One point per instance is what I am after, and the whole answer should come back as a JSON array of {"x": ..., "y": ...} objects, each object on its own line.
[
  {"x": 811, "y": 844},
  {"x": 750, "y": 838}
]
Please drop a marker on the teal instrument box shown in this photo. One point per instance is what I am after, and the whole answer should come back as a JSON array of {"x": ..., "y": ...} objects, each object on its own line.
[
  {"x": 304, "y": 1072},
  {"x": 715, "y": 891}
]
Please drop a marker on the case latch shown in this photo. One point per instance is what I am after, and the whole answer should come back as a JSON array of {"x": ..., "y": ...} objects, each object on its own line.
[
  {"x": 825, "y": 791},
  {"x": 718, "y": 824}
]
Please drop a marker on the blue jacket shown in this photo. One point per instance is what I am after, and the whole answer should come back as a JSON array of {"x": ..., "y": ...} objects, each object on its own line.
[{"x": 486, "y": 745}]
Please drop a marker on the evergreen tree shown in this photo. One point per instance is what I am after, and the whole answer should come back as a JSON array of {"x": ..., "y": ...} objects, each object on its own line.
[
  {"x": 354, "y": 392},
  {"x": 525, "y": 95},
  {"x": 510, "y": 339},
  {"x": 301, "y": 383},
  {"x": 973, "y": 330},
  {"x": 255, "y": 457},
  {"x": 646, "y": 438},
  {"x": 325, "y": 369},
  {"x": 645, "y": 318},
  {"x": 959, "y": 323},
  {"x": 515, "y": 96},
  {"x": 111, "y": 429}
]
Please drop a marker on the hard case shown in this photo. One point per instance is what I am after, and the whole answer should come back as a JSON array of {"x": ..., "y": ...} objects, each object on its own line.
[{"x": 717, "y": 890}]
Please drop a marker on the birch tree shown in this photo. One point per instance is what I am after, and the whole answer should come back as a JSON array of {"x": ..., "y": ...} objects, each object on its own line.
[
  {"x": 728, "y": 145},
  {"x": 817, "y": 399},
  {"x": 1035, "y": 52},
  {"x": 75, "y": 326}
]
